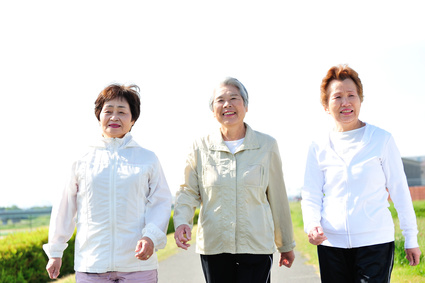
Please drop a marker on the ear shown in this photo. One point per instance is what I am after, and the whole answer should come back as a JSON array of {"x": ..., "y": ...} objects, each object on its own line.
[{"x": 326, "y": 109}]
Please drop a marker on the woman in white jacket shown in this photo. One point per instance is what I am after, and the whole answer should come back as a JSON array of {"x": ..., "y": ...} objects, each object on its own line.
[
  {"x": 345, "y": 197},
  {"x": 118, "y": 199}
]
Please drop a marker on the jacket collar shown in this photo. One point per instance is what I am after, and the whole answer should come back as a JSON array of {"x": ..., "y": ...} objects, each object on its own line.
[
  {"x": 250, "y": 141},
  {"x": 126, "y": 141},
  {"x": 367, "y": 136}
]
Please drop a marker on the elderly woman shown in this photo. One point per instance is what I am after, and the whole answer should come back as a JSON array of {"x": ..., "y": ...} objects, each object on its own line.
[
  {"x": 235, "y": 175},
  {"x": 118, "y": 198},
  {"x": 345, "y": 198}
]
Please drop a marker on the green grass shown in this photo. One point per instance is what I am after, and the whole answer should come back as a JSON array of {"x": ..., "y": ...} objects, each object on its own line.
[
  {"x": 402, "y": 272},
  {"x": 24, "y": 225},
  {"x": 308, "y": 250}
]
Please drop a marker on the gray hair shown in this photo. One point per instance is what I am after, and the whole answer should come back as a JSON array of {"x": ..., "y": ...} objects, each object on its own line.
[{"x": 234, "y": 82}]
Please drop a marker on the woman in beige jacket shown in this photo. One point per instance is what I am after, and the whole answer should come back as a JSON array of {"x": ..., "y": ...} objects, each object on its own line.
[{"x": 235, "y": 175}]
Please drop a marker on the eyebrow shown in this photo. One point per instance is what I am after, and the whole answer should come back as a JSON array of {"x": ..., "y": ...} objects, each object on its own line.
[
  {"x": 119, "y": 106},
  {"x": 231, "y": 95}
]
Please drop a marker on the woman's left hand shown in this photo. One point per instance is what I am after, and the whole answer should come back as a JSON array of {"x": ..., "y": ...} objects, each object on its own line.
[
  {"x": 287, "y": 258},
  {"x": 413, "y": 256},
  {"x": 144, "y": 248}
]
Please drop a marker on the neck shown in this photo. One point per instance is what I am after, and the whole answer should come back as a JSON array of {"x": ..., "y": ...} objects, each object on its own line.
[
  {"x": 349, "y": 127},
  {"x": 233, "y": 133}
]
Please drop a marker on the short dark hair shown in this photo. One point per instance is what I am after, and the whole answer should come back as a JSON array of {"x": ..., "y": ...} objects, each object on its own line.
[{"x": 129, "y": 93}]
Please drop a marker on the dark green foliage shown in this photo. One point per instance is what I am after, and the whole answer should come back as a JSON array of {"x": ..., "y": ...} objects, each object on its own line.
[{"x": 22, "y": 258}]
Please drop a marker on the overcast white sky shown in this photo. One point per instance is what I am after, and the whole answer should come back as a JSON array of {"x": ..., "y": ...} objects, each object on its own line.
[{"x": 56, "y": 56}]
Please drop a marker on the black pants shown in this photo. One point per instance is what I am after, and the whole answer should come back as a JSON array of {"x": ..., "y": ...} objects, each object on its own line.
[
  {"x": 365, "y": 264},
  {"x": 237, "y": 268}
]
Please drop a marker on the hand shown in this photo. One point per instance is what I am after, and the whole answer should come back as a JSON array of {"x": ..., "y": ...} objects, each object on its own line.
[
  {"x": 287, "y": 258},
  {"x": 183, "y": 235},
  {"x": 53, "y": 267},
  {"x": 413, "y": 256},
  {"x": 316, "y": 236},
  {"x": 144, "y": 248}
]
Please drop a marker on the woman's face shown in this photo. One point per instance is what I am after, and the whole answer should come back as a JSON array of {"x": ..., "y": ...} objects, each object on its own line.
[
  {"x": 115, "y": 118},
  {"x": 344, "y": 104},
  {"x": 228, "y": 106}
]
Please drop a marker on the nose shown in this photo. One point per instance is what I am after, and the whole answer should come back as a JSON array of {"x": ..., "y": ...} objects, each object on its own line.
[
  {"x": 227, "y": 103},
  {"x": 114, "y": 117},
  {"x": 344, "y": 101}
]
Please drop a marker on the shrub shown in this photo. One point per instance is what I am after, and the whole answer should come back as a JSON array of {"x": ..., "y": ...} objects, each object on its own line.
[{"x": 22, "y": 258}]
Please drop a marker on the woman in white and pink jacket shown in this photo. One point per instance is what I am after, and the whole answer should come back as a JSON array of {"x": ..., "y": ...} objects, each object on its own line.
[
  {"x": 118, "y": 199},
  {"x": 345, "y": 197}
]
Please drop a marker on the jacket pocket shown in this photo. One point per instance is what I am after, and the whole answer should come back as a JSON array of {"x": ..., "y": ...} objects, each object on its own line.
[
  {"x": 253, "y": 175},
  {"x": 213, "y": 175}
]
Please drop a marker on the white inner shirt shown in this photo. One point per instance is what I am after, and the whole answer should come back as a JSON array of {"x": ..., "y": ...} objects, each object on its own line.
[
  {"x": 346, "y": 143},
  {"x": 233, "y": 145}
]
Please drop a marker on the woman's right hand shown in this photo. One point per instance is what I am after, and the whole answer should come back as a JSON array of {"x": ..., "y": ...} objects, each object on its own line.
[
  {"x": 316, "y": 236},
  {"x": 183, "y": 235},
  {"x": 53, "y": 267}
]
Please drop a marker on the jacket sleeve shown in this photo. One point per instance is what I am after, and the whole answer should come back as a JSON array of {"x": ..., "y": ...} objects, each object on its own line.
[
  {"x": 158, "y": 208},
  {"x": 312, "y": 191},
  {"x": 62, "y": 220},
  {"x": 279, "y": 204},
  {"x": 188, "y": 197},
  {"x": 399, "y": 192}
]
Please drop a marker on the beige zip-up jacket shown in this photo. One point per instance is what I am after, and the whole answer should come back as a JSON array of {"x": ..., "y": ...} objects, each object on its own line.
[{"x": 243, "y": 202}]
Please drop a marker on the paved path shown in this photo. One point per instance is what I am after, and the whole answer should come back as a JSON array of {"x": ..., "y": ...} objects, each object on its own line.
[{"x": 185, "y": 267}]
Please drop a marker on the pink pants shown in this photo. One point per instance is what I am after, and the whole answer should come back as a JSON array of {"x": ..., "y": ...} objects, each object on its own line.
[{"x": 149, "y": 276}]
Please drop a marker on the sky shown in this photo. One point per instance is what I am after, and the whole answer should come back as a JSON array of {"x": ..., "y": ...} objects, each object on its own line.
[{"x": 56, "y": 56}]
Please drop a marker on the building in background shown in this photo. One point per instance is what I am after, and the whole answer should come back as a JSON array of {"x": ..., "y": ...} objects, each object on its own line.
[{"x": 414, "y": 167}]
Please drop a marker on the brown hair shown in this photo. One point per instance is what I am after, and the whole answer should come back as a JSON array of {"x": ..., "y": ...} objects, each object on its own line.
[
  {"x": 340, "y": 73},
  {"x": 129, "y": 93}
]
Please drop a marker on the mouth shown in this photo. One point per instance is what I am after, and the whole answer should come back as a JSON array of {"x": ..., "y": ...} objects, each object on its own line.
[
  {"x": 114, "y": 126},
  {"x": 346, "y": 111},
  {"x": 229, "y": 113}
]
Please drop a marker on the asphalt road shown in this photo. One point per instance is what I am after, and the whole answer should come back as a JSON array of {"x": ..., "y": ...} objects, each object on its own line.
[{"x": 185, "y": 267}]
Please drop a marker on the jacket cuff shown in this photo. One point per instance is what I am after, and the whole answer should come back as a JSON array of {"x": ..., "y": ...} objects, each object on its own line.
[
  {"x": 178, "y": 222},
  {"x": 411, "y": 242},
  {"x": 54, "y": 250},
  {"x": 158, "y": 237},
  {"x": 286, "y": 248}
]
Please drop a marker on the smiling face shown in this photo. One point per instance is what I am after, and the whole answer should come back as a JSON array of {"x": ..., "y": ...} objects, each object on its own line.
[
  {"x": 115, "y": 118},
  {"x": 228, "y": 106},
  {"x": 344, "y": 104}
]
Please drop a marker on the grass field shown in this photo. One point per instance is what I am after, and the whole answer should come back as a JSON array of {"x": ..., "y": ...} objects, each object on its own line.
[{"x": 32, "y": 223}]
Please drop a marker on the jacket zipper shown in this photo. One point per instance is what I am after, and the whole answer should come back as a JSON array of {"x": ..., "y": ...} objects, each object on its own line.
[
  {"x": 112, "y": 202},
  {"x": 346, "y": 207}
]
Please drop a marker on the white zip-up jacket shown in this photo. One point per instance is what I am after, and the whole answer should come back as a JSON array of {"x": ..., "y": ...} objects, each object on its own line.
[
  {"x": 350, "y": 201},
  {"x": 116, "y": 195}
]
